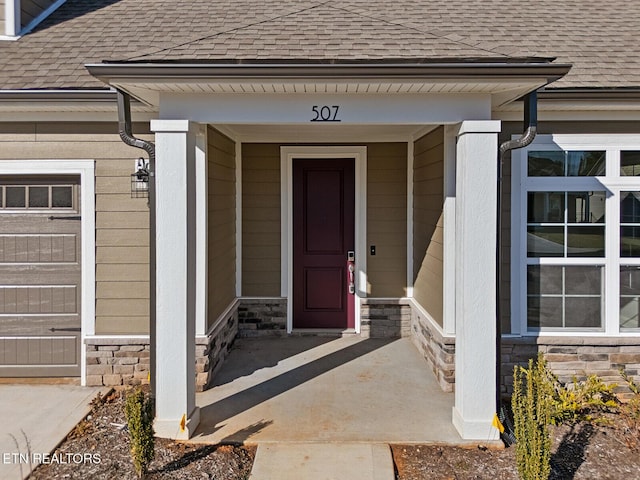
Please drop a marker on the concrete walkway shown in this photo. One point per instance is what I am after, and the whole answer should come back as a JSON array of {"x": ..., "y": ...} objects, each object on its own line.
[
  {"x": 43, "y": 415},
  {"x": 323, "y": 408}
]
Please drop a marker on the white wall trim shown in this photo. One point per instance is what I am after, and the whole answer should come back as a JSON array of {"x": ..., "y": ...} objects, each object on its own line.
[
  {"x": 202, "y": 229},
  {"x": 432, "y": 323},
  {"x": 12, "y": 19},
  {"x": 238, "y": 219},
  {"x": 410, "y": 158},
  {"x": 449, "y": 231},
  {"x": 287, "y": 154},
  {"x": 86, "y": 170}
]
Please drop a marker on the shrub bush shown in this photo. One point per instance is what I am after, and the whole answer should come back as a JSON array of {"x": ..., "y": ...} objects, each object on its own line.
[
  {"x": 139, "y": 413},
  {"x": 531, "y": 403}
]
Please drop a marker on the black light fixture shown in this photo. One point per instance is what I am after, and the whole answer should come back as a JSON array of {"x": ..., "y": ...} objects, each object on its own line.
[{"x": 140, "y": 179}]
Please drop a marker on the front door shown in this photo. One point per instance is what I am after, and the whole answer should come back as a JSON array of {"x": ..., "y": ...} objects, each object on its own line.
[{"x": 323, "y": 234}]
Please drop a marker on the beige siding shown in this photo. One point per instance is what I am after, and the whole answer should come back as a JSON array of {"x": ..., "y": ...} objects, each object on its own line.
[
  {"x": 30, "y": 9},
  {"x": 261, "y": 220},
  {"x": 122, "y": 240},
  {"x": 387, "y": 219},
  {"x": 428, "y": 200},
  {"x": 514, "y": 128},
  {"x": 222, "y": 223},
  {"x": 2, "y": 30}
]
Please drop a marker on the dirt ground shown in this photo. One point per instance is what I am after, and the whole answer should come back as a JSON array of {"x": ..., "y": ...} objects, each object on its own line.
[{"x": 582, "y": 452}]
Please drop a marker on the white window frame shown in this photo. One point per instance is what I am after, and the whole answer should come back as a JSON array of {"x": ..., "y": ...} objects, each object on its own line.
[{"x": 612, "y": 183}]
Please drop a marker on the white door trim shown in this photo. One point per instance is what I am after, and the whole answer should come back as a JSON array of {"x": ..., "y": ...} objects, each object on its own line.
[
  {"x": 287, "y": 154},
  {"x": 86, "y": 170}
]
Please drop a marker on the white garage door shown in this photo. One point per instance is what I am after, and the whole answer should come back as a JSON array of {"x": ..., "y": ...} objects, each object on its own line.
[{"x": 40, "y": 276}]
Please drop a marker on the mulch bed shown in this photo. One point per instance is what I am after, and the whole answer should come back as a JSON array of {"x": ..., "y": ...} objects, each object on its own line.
[
  {"x": 582, "y": 452},
  {"x": 104, "y": 435}
]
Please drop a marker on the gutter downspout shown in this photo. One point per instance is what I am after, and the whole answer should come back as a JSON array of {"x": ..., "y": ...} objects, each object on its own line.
[
  {"x": 124, "y": 129},
  {"x": 531, "y": 124}
]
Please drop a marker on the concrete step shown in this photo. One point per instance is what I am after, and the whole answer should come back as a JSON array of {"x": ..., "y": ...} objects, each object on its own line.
[{"x": 323, "y": 461}]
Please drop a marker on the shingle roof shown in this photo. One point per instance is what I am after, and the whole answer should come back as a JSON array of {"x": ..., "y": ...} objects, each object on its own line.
[{"x": 598, "y": 38}]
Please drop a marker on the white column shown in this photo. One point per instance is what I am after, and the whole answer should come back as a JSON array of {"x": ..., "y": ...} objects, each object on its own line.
[
  {"x": 475, "y": 241},
  {"x": 176, "y": 414}
]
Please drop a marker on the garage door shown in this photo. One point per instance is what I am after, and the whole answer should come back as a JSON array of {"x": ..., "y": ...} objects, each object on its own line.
[{"x": 40, "y": 276}]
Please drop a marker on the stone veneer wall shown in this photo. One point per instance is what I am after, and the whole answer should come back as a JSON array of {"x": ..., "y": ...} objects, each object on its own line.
[
  {"x": 262, "y": 317},
  {"x": 385, "y": 318},
  {"x": 438, "y": 350},
  {"x": 567, "y": 356},
  {"x": 125, "y": 361}
]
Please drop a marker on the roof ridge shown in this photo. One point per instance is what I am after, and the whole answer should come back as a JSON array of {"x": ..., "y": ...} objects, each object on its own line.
[
  {"x": 408, "y": 27},
  {"x": 230, "y": 30}
]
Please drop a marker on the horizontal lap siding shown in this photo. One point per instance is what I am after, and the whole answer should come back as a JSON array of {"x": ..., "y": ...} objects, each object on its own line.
[
  {"x": 261, "y": 220},
  {"x": 387, "y": 219},
  {"x": 222, "y": 223},
  {"x": 2, "y": 30},
  {"x": 122, "y": 222},
  {"x": 428, "y": 201}
]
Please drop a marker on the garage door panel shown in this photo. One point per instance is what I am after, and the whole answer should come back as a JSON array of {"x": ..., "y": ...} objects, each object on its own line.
[
  {"x": 39, "y": 299},
  {"x": 40, "y": 275},
  {"x": 51, "y": 248}
]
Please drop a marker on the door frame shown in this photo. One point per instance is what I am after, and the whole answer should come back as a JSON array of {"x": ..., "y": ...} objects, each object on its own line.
[
  {"x": 86, "y": 170},
  {"x": 287, "y": 156}
]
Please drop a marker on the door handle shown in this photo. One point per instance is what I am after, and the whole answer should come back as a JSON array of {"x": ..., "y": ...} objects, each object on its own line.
[{"x": 351, "y": 258}]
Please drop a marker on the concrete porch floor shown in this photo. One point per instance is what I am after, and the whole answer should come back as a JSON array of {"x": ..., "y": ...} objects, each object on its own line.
[{"x": 325, "y": 389}]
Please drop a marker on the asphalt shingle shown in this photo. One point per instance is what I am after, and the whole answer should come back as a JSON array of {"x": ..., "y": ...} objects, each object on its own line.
[{"x": 598, "y": 38}]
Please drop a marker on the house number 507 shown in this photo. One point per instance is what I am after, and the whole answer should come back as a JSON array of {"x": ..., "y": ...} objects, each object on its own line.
[{"x": 325, "y": 113}]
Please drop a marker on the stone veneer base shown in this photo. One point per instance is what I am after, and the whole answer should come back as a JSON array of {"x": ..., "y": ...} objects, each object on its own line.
[{"x": 113, "y": 361}]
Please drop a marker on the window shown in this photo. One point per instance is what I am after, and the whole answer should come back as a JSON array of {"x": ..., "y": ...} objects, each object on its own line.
[
  {"x": 576, "y": 235},
  {"x": 15, "y": 196}
]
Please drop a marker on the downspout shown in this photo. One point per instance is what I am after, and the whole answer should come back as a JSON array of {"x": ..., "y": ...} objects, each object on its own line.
[
  {"x": 124, "y": 129},
  {"x": 531, "y": 125}
]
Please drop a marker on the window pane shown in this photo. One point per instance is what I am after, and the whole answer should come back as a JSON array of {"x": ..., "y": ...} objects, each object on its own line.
[
  {"x": 545, "y": 241},
  {"x": 585, "y": 164},
  {"x": 62, "y": 197},
  {"x": 583, "y": 280},
  {"x": 545, "y": 207},
  {"x": 546, "y": 164},
  {"x": 15, "y": 197},
  {"x": 544, "y": 312},
  {"x": 585, "y": 207},
  {"x": 630, "y": 241},
  {"x": 629, "y": 163},
  {"x": 583, "y": 312},
  {"x": 544, "y": 279},
  {"x": 630, "y": 207},
  {"x": 39, "y": 197},
  {"x": 629, "y": 297},
  {"x": 585, "y": 241}
]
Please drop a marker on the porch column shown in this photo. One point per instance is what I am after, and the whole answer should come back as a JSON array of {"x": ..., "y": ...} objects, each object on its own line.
[
  {"x": 176, "y": 414},
  {"x": 475, "y": 250}
]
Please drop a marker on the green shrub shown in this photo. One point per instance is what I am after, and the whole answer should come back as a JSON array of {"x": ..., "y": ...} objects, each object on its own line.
[
  {"x": 582, "y": 400},
  {"x": 531, "y": 403},
  {"x": 629, "y": 424},
  {"x": 139, "y": 413}
]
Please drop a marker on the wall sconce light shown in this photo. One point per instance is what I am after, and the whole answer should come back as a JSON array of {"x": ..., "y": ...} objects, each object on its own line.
[{"x": 140, "y": 179}]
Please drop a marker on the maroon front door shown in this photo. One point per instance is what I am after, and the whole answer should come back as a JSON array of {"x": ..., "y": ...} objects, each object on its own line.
[{"x": 323, "y": 234}]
